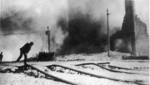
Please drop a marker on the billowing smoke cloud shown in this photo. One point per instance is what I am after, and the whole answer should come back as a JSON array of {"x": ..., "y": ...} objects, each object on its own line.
[{"x": 85, "y": 34}]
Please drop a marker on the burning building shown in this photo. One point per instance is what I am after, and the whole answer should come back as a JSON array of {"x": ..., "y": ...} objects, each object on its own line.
[{"x": 133, "y": 37}]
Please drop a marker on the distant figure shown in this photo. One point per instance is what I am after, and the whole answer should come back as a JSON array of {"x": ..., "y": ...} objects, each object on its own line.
[
  {"x": 24, "y": 51},
  {"x": 1, "y": 56}
]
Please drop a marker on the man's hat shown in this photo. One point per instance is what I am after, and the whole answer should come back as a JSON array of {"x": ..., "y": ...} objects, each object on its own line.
[{"x": 31, "y": 43}]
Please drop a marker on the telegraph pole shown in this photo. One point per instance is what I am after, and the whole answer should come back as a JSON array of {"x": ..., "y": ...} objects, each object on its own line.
[
  {"x": 108, "y": 33},
  {"x": 48, "y": 36}
]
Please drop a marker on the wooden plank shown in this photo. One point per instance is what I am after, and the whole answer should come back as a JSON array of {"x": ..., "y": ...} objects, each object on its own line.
[
  {"x": 50, "y": 75},
  {"x": 104, "y": 63},
  {"x": 111, "y": 66},
  {"x": 90, "y": 74},
  {"x": 83, "y": 64},
  {"x": 92, "y": 63},
  {"x": 135, "y": 58}
]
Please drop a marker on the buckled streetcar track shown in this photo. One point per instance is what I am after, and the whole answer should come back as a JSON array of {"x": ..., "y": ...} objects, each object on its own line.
[
  {"x": 53, "y": 76},
  {"x": 90, "y": 74}
]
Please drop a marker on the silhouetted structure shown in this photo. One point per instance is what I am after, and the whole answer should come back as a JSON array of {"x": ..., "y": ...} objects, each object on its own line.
[
  {"x": 133, "y": 36},
  {"x": 48, "y": 38},
  {"x": 24, "y": 51},
  {"x": 108, "y": 33},
  {"x": 128, "y": 26}
]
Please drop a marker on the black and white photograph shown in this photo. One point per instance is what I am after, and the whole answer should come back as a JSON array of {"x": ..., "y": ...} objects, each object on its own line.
[{"x": 74, "y": 42}]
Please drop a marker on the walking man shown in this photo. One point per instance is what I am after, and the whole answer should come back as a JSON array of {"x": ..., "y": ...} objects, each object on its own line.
[{"x": 24, "y": 51}]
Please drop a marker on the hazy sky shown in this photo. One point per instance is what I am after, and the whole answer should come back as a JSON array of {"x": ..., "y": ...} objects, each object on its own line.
[
  {"x": 47, "y": 11},
  {"x": 44, "y": 12},
  {"x": 116, "y": 9}
]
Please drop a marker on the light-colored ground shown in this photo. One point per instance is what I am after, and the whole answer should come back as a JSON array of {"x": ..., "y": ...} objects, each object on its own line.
[{"x": 141, "y": 68}]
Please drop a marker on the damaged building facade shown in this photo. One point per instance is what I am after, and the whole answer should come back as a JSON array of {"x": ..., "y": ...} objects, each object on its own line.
[{"x": 133, "y": 37}]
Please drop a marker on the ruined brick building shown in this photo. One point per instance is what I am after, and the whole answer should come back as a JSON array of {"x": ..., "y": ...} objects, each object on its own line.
[{"x": 133, "y": 37}]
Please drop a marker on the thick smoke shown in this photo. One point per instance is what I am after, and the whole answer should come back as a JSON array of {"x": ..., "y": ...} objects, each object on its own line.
[
  {"x": 12, "y": 22},
  {"x": 81, "y": 25},
  {"x": 84, "y": 34}
]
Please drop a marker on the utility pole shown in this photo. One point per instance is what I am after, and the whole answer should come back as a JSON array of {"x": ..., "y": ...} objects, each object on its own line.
[
  {"x": 108, "y": 33},
  {"x": 48, "y": 36}
]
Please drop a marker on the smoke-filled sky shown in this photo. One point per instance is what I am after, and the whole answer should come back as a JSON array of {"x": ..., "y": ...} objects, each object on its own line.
[
  {"x": 46, "y": 12},
  {"x": 43, "y": 13},
  {"x": 116, "y": 9}
]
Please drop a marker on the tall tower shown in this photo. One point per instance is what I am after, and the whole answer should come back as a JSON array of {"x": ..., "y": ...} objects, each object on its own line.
[
  {"x": 128, "y": 26},
  {"x": 129, "y": 7},
  {"x": 134, "y": 31}
]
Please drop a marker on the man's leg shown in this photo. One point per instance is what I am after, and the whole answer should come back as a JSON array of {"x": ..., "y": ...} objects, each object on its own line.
[
  {"x": 25, "y": 59},
  {"x": 19, "y": 56}
]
